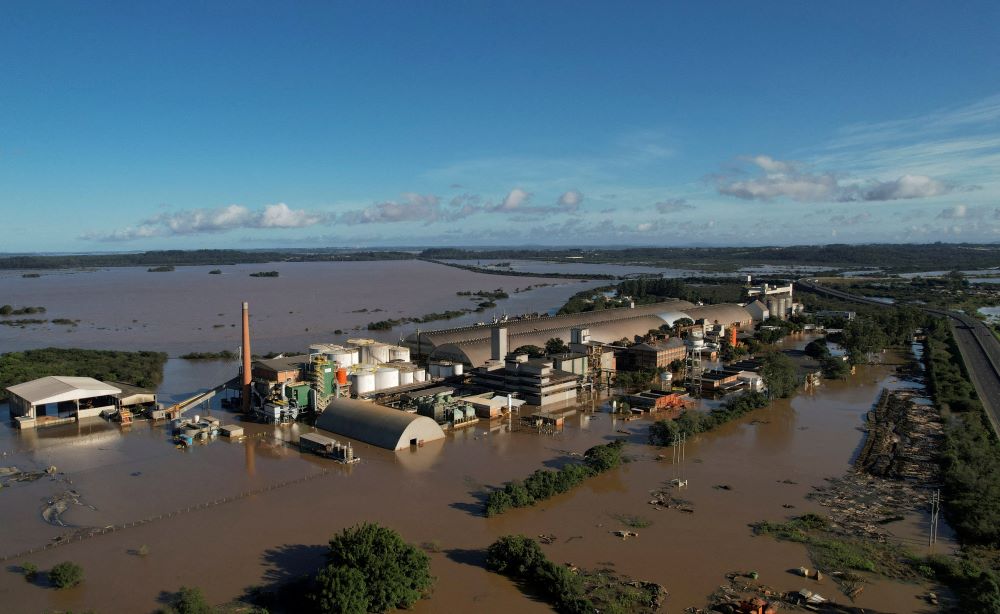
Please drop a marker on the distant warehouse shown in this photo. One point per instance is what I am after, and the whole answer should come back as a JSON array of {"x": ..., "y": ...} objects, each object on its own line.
[
  {"x": 471, "y": 345},
  {"x": 377, "y": 425}
]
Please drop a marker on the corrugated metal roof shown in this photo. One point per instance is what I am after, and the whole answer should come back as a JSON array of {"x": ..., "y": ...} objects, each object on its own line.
[
  {"x": 58, "y": 388},
  {"x": 376, "y": 424}
]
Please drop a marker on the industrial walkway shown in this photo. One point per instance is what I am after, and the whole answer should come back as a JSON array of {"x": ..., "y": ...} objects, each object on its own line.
[{"x": 979, "y": 347}]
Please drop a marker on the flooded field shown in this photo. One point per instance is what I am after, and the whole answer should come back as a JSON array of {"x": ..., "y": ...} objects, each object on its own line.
[
  {"x": 279, "y": 507},
  {"x": 190, "y": 310}
]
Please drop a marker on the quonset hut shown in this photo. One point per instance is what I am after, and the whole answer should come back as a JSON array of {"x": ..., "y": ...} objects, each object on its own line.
[
  {"x": 471, "y": 344},
  {"x": 378, "y": 425}
]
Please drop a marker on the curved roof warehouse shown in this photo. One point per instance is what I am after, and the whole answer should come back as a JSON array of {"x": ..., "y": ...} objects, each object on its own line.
[
  {"x": 376, "y": 424},
  {"x": 471, "y": 344}
]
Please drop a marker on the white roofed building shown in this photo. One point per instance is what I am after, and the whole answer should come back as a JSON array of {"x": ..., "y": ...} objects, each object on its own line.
[{"x": 59, "y": 396}]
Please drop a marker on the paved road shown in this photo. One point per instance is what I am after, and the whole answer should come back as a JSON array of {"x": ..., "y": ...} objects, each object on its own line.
[{"x": 979, "y": 347}]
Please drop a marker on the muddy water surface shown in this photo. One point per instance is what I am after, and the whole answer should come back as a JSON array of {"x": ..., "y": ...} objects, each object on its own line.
[
  {"x": 190, "y": 310},
  {"x": 431, "y": 494}
]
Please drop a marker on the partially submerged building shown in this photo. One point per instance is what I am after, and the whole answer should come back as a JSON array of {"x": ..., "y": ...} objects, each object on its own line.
[
  {"x": 377, "y": 425},
  {"x": 59, "y": 398}
]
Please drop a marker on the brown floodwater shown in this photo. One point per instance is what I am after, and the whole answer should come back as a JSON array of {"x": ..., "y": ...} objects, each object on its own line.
[
  {"x": 429, "y": 495},
  {"x": 190, "y": 310}
]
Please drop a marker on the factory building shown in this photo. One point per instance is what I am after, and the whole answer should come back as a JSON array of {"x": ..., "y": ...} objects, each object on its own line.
[
  {"x": 534, "y": 380},
  {"x": 377, "y": 425},
  {"x": 654, "y": 355},
  {"x": 474, "y": 345}
]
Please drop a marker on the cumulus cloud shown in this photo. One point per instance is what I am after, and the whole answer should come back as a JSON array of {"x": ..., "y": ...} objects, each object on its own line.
[
  {"x": 672, "y": 205},
  {"x": 514, "y": 200},
  {"x": 209, "y": 221},
  {"x": 786, "y": 179},
  {"x": 411, "y": 208},
  {"x": 570, "y": 200}
]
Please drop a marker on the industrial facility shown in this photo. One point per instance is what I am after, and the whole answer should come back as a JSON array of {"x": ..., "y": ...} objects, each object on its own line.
[{"x": 472, "y": 345}]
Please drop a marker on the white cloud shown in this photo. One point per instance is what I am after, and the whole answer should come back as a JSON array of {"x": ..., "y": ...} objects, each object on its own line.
[
  {"x": 514, "y": 199},
  {"x": 283, "y": 216},
  {"x": 209, "y": 221},
  {"x": 570, "y": 200},
  {"x": 413, "y": 208},
  {"x": 789, "y": 180}
]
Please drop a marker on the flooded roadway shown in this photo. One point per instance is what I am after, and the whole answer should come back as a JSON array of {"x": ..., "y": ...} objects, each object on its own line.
[{"x": 431, "y": 495}]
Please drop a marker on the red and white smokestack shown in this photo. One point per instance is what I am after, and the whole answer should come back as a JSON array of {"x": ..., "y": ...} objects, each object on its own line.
[{"x": 246, "y": 357}]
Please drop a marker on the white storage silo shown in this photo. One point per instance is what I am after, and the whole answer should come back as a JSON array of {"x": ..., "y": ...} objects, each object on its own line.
[
  {"x": 397, "y": 352},
  {"x": 419, "y": 375},
  {"x": 363, "y": 382},
  {"x": 345, "y": 357},
  {"x": 317, "y": 348},
  {"x": 405, "y": 377},
  {"x": 386, "y": 377},
  {"x": 457, "y": 368},
  {"x": 378, "y": 353}
]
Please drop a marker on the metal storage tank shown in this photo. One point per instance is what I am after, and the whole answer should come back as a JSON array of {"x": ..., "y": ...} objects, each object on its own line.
[
  {"x": 435, "y": 369},
  {"x": 457, "y": 368},
  {"x": 444, "y": 369},
  {"x": 345, "y": 357},
  {"x": 419, "y": 375},
  {"x": 377, "y": 353},
  {"x": 386, "y": 377},
  {"x": 318, "y": 348},
  {"x": 363, "y": 382},
  {"x": 405, "y": 377},
  {"x": 397, "y": 352}
]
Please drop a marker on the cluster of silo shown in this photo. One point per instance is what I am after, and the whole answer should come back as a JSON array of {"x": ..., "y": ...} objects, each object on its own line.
[
  {"x": 344, "y": 356},
  {"x": 779, "y": 305},
  {"x": 445, "y": 368}
]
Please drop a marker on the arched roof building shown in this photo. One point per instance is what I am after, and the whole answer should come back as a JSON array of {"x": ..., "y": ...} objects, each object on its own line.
[
  {"x": 376, "y": 424},
  {"x": 471, "y": 344}
]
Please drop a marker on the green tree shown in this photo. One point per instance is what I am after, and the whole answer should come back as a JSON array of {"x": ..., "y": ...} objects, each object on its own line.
[
  {"x": 396, "y": 573},
  {"x": 780, "y": 375},
  {"x": 835, "y": 368},
  {"x": 555, "y": 345},
  {"x": 817, "y": 349},
  {"x": 66, "y": 575},
  {"x": 341, "y": 590},
  {"x": 864, "y": 338},
  {"x": 533, "y": 351},
  {"x": 188, "y": 601},
  {"x": 6, "y": 310}
]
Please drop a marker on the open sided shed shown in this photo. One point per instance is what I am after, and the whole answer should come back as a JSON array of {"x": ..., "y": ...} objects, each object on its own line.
[
  {"x": 378, "y": 425},
  {"x": 60, "y": 397}
]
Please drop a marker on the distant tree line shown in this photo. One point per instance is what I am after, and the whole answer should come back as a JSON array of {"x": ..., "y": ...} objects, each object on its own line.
[
  {"x": 894, "y": 257},
  {"x": 143, "y": 369}
]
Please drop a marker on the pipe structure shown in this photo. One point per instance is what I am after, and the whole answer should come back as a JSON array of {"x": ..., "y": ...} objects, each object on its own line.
[{"x": 246, "y": 357}]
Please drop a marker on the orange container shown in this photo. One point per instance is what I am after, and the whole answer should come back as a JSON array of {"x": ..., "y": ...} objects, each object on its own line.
[{"x": 341, "y": 376}]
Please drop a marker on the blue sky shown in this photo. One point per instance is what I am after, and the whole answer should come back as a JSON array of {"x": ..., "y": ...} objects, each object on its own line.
[{"x": 128, "y": 126}]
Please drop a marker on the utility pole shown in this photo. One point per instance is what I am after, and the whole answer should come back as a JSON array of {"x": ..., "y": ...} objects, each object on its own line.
[{"x": 935, "y": 515}]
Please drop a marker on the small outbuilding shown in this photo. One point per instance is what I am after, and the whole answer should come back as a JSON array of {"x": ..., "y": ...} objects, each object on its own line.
[{"x": 378, "y": 425}]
